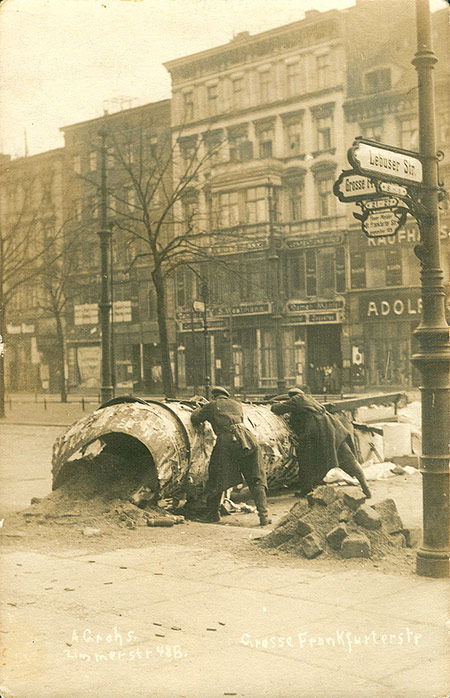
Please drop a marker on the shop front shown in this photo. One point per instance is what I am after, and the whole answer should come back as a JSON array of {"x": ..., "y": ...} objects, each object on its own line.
[{"x": 383, "y": 343}]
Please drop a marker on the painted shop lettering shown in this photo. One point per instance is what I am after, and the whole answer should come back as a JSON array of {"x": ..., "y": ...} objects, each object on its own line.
[{"x": 396, "y": 307}]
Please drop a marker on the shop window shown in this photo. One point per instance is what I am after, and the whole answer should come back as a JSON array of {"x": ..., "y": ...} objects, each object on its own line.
[
  {"x": 358, "y": 270},
  {"x": 376, "y": 268},
  {"x": 268, "y": 357},
  {"x": 256, "y": 209},
  {"x": 212, "y": 99},
  {"x": 393, "y": 268},
  {"x": 311, "y": 273},
  {"x": 293, "y": 132},
  {"x": 409, "y": 134},
  {"x": 378, "y": 80}
]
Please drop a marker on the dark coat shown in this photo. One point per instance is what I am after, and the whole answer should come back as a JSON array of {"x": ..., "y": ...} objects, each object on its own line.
[
  {"x": 236, "y": 452},
  {"x": 320, "y": 435}
]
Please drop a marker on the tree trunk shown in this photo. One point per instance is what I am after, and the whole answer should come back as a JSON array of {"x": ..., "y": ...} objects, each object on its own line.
[
  {"x": 166, "y": 367},
  {"x": 61, "y": 357}
]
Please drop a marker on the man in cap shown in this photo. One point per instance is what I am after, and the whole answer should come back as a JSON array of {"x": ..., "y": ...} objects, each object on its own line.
[
  {"x": 324, "y": 441},
  {"x": 236, "y": 454}
]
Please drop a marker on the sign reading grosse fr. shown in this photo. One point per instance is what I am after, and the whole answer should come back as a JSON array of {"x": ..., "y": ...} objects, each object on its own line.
[{"x": 374, "y": 160}]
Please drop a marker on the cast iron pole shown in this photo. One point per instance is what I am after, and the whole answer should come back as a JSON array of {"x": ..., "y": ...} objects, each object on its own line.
[
  {"x": 433, "y": 357},
  {"x": 204, "y": 297},
  {"x": 275, "y": 272},
  {"x": 106, "y": 388}
]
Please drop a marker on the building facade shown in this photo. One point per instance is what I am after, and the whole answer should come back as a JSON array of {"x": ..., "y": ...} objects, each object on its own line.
[
  {"x": 132, "y": 138},
  {"x": 381, "y": 104},
  {"x": 31, "y": 220},
  {"x": 270, "y": 109},
  {"x": 302, "y": 295}
]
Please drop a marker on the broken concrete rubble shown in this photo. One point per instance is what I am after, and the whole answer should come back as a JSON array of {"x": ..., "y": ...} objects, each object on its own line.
[
  {"x": 336, "y": 536},
  {"x": 389, "y": 516},
  {"x": 360, "y": 534},
  {"x": 356, "y": 545},
  {"x": 311, "y": 546},
  {"x": 366, "y": 516},
  {"x": 353, "y": 497}
]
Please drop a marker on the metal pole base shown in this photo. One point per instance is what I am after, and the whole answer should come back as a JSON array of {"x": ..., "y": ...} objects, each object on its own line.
[{"x": 432, "y": 563}]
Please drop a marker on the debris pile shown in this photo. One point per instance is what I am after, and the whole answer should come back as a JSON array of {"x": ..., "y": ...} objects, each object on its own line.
[
  {"x": 339, "y": 522},
  {"x": 96, "y": 495}
]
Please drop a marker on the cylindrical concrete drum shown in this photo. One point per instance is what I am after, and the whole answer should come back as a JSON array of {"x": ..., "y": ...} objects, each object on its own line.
[{"x": 177, "y": 449}]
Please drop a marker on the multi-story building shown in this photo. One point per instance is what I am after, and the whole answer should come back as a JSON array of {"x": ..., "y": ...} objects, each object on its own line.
[
  {"x": 269, "y": 107},
  {"x": 277, "y": 111},
  {"x": 384, "y": 303},
  {"x": 132, "y": 139},
  {"x": 31, "y": 220}
]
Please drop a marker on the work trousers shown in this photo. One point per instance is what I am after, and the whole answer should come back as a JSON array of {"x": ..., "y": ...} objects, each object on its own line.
[
  {"x": 349, "y": 464},
  {"x": 257, "y": 491}
]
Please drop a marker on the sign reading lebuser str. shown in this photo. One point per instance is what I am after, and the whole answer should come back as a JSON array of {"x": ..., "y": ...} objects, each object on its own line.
[{"x": 372, "y": 159}]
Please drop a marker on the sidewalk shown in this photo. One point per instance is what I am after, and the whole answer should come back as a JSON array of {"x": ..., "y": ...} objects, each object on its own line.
[{"x": 172, "y": 621}]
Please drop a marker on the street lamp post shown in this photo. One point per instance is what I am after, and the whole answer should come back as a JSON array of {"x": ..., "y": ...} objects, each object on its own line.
[
  {"x": 433, "y": 357},
  {"x": 106, "y": 388},
  {"x": 275, "y": 272},
  {"x": 204, "y": 297}
]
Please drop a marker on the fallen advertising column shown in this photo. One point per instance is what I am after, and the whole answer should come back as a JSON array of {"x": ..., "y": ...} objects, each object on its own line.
[{"x": 161, "y": 435}]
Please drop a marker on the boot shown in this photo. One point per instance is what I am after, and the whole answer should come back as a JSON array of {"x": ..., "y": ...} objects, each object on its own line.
[
  {"x": 359, "y": 474},
  {"x": 258, "y": 492},
  {"x": 212, "y": 514}
]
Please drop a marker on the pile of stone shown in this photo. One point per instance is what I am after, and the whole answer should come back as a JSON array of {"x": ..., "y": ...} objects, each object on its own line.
[{"x": 339, "y": 521}]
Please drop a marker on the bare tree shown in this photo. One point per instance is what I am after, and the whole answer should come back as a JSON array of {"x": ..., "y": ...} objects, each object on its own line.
[
  {"x": 158, "y": 211},
  {"x": 25, "y": 248}
]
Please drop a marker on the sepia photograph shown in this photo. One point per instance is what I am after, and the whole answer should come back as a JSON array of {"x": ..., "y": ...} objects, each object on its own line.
[{"x": 224, "y": 311}]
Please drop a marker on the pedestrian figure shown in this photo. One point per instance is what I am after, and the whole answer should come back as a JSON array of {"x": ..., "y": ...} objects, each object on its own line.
[
  {"x": 324, "y": 441},
  {"x": 236, "y": 455}
]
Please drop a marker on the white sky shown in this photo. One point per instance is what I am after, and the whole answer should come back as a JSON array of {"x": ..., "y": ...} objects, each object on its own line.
[{"x": 61, "y": 59}]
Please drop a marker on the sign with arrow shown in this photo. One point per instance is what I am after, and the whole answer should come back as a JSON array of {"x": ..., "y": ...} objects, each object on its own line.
[
  {"x": 351, "y": 186},
  {"x": 376, "y": 160}
]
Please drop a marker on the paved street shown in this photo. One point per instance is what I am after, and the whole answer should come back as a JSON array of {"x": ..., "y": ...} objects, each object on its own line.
[
  {"x": 169, "y": 621},
  {"x": 183, "y": 615}
]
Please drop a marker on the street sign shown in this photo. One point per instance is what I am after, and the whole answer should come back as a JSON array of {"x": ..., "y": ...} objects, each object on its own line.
[
  {"x": 382, "y": 223},
  {"x": 381, "y": 203},
  {"x": 391, "y": 188},
  {"x": 351, "y": 186},
  {"x": 385, "y": 162}
]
